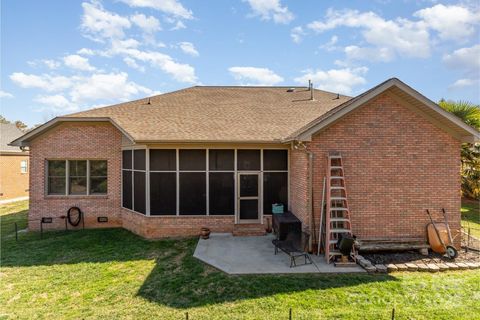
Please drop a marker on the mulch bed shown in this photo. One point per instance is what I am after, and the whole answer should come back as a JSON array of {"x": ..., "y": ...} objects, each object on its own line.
[{"x": 415, "y": 257}]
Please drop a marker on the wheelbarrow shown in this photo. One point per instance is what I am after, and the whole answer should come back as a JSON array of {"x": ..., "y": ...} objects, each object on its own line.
[{"x": 440, "y": 237}]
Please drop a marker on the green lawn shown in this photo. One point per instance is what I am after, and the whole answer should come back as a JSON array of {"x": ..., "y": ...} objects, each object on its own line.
[
  {"x": 471, "y": 217},
  {"x": 114, "y": 274}
]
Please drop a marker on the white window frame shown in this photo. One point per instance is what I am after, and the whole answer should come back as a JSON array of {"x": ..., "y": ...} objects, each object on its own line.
[{"x": 23, "y": 168}]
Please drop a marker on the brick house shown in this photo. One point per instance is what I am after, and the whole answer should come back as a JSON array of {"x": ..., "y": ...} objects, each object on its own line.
[
  {"x": 13, "y": 165},
  {"x": 221, "y": 156}
]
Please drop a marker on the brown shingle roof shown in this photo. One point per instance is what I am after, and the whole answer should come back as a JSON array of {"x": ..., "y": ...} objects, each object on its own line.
[
  {"x": 202, "y": 113},
  {"x": 8, "y": 133}
]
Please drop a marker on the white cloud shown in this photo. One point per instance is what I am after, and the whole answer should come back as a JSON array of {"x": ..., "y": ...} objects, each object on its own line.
[
  {"x": 188, "y": 48},
  {"x": 331, "y": 44},
  {"x": 463, "y": 83},
  {"x": 255, "y": 76},
  {"x": 178, "y": 26},
  {"x": 51, "y": 64},
  {"x": 86, "y": 52},
  {"x": 99, "y": 24},
  {"x": 401, "y": 36},
  {"x": 45, "y": 82},
  {"x": 77, "y": 62},
  {"x": 297, "y": 34},
  {"x": 147, "y": 24},
  {"x": 111, "y": 86},
  {"x": 5, "y": 94},
  {"x": 271, "y": 10},
  {"x": 171, "y": 7},
  {"x": 371, "y": 54},
  {"x": 133, "y": 64},
  {"x": 335, "y": 80},
  {"x": 452, "y": 22},
  {"x": 466, "y": 60},
  {"x": 56, "y": 102}
]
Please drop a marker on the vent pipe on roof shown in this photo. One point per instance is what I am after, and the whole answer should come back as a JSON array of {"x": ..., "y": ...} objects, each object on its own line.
[
  {"x": 311, "y": 91},
  {"x": 309, "y": 84}
]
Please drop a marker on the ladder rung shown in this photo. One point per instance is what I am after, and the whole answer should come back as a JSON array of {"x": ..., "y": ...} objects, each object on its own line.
[
  {"x": 336, "y": 177},
  {"x": 339, "y": 209},
  {"x": 340, "y": 230},
  {"x": 338, "y": 198},
  {"x": 339, "y": 220},
  {"x": 337, "y": 188}
]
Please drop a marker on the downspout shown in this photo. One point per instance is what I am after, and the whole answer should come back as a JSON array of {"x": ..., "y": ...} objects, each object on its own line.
[
  {"x": 300, "y": 145},
  {"x": 310, "y": 200}
]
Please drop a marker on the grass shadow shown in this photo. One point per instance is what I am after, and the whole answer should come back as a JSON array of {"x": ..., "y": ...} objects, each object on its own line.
[{"x": 177, "y": 279}]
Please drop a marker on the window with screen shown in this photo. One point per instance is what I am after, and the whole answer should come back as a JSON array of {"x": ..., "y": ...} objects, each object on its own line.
[
  {"x": 56, "y": 180},
  {"x": 134, "y": 180},
  {"x": 98, "y": 177},
  {"x": 77, "y": 180},
  {"x": 248, "y": 160},
  {"x": 163, "y": 182},
  {"x": 275, "y": 179},
  {"x": 192, "y": 182}
]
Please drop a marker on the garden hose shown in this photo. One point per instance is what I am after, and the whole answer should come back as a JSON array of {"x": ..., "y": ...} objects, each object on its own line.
[{"x": 74, "y": 216}]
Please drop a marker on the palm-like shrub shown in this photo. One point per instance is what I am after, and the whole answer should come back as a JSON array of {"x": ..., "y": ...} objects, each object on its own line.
[{"x": 470, "y": 114}]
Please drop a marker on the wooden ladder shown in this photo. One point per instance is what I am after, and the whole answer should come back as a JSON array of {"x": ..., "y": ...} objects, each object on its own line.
[{"x": 337, "y": 213}]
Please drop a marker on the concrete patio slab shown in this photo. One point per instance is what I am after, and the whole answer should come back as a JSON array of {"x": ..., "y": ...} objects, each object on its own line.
[{"x": 255, "y": 255}]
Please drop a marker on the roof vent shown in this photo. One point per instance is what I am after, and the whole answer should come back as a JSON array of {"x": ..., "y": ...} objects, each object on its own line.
[{"x": 290, "y": 89}]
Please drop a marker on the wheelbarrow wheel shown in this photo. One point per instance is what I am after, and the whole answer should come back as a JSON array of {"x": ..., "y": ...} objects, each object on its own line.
[{"x": 452, "y": 253}]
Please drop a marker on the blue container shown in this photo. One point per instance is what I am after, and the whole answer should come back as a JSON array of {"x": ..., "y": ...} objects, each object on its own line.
[{"x": 277, "y": 208}]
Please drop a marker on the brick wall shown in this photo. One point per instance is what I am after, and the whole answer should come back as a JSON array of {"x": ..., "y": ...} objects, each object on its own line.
[
  {"x": 76, "y": 141},
  {"x": 397, "y": 164},
  {"x": 173, "y": 226},
  {"x": 299, "y": 184},
  {"x": 13, "y": 183}
]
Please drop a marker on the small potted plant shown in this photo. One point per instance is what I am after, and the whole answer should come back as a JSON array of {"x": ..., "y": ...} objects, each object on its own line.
[{"x": 205, "y": 233}]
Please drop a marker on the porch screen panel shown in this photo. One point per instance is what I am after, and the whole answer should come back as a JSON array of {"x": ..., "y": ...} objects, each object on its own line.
[
  {"x": 248, "y": 160},
  {"x": 275, "y": 179},
  {"x": 221, "y": 160},
  {"x": 193, "y": 193},
  {"x": 275, "y": 160},
  {"x": 163, "y": 159},
  {"x": 221, "y": 193},
  {"x": 163, "y": 193},
  {"x": 127, "y": 189},
  {"x": 275, "y": 190},
  {"x": 192, "y": 160},
  {"x": 139, "y": 191},
  {"x": 127, "y": 179}
]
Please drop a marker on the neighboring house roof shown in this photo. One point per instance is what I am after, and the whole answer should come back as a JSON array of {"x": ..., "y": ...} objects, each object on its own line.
[
  {"x": 8, "y": 133},
  {"x": 247, "y": 114}
]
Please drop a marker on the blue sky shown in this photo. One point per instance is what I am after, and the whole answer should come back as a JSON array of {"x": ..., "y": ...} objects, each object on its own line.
[{"x": 60, "y": 56}]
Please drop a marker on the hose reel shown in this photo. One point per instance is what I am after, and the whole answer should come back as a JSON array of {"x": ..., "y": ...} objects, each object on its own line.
[{"x": 74, "y": 216}]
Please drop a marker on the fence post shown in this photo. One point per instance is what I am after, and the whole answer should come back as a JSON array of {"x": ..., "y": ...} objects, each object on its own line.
[
  {"x": 186, "y": 315},
  {"x": 393, "y": 314},
  {"x": 16, "y": 232},
  {"x": 290, "y": 314}
]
